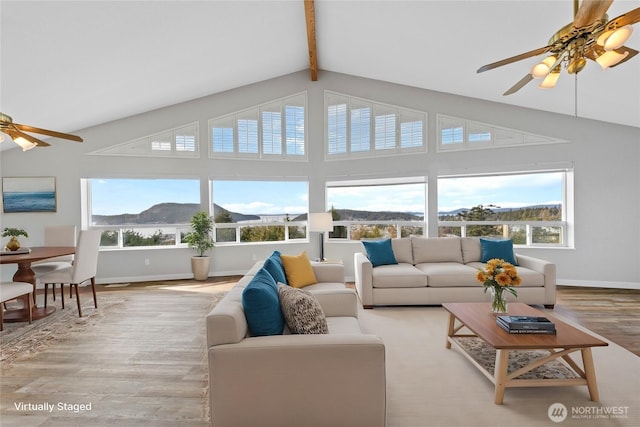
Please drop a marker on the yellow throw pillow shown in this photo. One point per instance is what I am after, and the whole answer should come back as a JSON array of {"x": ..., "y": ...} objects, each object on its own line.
[{"x": 298, "y": 270}]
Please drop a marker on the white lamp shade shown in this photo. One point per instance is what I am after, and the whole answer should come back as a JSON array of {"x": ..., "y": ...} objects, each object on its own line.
[
  {"x": 320, "y": 222},
  {"x": 550, "y": 80},
  {"x": 610, "y": 58},
  {"x": 24, "y": 144},
  {"x": 543, "y": 68},
  {"x": 618, "y": 38}
]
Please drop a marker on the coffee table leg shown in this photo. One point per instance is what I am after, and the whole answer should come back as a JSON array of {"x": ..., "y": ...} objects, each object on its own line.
[
  {"x": 450, "y": 332},
  {"x": 500, "y": 375},
  {"x": 590, "y": 373}
]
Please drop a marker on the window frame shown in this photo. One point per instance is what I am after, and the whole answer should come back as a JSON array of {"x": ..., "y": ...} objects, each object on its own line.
[
  {"x": 238, "y": 226},
  {"x": 565, "y": 223}
]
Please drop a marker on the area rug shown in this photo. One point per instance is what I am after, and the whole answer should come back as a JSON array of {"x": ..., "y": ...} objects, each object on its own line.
[
  {"x": 485, "y": 355},
  {"x": 20, "y": 339},
  {"x": 430, "y": 385}
]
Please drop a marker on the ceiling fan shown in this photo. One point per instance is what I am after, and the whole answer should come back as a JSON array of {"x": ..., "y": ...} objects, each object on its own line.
[
  {"x": 16, "y": 132},
  {"x": 590, "y": 36}
]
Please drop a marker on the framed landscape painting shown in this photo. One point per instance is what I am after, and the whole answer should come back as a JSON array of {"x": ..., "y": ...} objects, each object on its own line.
[{"x": 29, "y": 194}]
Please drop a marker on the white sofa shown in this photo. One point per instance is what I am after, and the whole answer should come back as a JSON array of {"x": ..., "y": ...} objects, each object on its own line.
[
  {"x": 296, "y": 380},
  {"x": 432, "y": 271}
]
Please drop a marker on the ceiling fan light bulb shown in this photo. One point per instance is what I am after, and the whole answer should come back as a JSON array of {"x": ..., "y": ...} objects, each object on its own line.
[
  {"x": 618, "y": 38},
  {"x": 550, "y": 81},
  {"x": 610, "y": 58}
]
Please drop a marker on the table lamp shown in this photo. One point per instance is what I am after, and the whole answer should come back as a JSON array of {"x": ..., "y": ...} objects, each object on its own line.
[{"x": 320, "y": 222}]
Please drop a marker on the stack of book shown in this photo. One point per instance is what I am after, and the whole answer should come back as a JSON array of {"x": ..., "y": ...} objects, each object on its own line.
[{"x": 526, "y": 324}]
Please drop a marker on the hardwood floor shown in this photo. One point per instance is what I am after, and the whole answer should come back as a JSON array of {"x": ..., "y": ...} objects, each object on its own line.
[
  {"x": 612, "y": 313},
  {"x": 143, "y": 362}
]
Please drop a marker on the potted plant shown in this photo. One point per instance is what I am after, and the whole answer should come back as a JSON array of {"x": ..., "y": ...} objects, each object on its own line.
[
  {"x": 200, "y": 240},
  {"x": 13, "y": 244}
]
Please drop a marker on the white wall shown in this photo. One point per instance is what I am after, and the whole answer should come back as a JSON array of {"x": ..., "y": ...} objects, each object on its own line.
[{"x": 606, "y": 160}]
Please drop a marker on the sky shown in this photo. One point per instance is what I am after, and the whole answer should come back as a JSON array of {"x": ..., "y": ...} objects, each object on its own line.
[{"x": 280, "y": 197}]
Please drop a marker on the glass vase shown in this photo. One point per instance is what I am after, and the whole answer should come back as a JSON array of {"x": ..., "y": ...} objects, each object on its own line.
[{"x": 498, "y": 300}]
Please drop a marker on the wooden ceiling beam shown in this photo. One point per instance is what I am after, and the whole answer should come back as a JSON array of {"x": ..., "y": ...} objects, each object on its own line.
[{"x": 310, "y": 14}]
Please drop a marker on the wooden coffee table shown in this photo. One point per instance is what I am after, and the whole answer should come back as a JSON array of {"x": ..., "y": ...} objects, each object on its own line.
[{"x": 481, "y": 322}]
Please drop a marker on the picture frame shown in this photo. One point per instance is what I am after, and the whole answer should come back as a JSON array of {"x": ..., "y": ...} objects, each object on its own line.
[{"x": 29, "y": 194}]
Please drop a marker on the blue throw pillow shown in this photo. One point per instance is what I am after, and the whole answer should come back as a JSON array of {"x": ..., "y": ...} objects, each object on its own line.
[
  {"x": 501, "y": 249},
  {"x": 274, "y": 266},
  {"x": 379, "y": 252},
  {"x": 262, "y": 305}
]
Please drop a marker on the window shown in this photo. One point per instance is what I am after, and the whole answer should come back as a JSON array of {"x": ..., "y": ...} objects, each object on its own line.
[
  {"x": 460, "y": 134},
  {"x": 529, "y": 208},
  {"x": 358, "y": 127},
  {"x": 177, "y": 142},
  {"x": 259, "y": 211},
  {"x": 141, "y": 212},
  {"x": 368, "y": 209},
  {"x": 275, "y": 130}
]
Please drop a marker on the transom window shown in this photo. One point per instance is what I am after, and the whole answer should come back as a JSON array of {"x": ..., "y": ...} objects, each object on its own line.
[
  {"x": 177, "y": 142},
  {"x": 359, "y": 127},
  {"x": 273, "y": 130},
  {"x": 459, "y": 134}
]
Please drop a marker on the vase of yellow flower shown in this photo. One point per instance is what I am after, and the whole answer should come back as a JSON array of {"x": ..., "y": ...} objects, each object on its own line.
[{"x": 499, "y": 276}]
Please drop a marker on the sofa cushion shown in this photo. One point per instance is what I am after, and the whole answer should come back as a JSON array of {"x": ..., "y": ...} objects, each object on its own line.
[
  {"x": 471, "y": 249},
  {"x": 398, "y": 276},
  {"x": 262, "y": 305},
  {"x": 298, "y": 270},
  {"x": 449, "y": 274},
  {"x": 274, "y": 266},
  {"x": 436, "y": 249},
  {"x": 379, "y": 252},
  {"x": 530, "y": 278},
  {"x": 500, "y": 249},
  {"x": 402, "y": 250},
  {"x": 302, "y": 311}
]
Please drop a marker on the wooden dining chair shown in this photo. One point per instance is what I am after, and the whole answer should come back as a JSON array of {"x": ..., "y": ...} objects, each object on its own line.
[
  {"x": 85, "y": 266},
  {"x": 56, "y": 235}
]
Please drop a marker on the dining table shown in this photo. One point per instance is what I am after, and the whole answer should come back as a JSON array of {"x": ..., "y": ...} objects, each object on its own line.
[{"x": 24, "y": 273}]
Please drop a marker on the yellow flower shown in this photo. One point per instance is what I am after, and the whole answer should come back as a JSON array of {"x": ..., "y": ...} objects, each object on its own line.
[
  {"x": 516, "y": 281},
  {"x": 493, "y": 263},
  {"x": 503, "y": 279},
  {"x": 480, "y": 277}
]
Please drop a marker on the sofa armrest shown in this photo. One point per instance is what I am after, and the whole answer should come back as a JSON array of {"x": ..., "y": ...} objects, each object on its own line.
[
  {"x": 328, "y": 272},
  {"x": 547, "y": 269},
  {"x": 337, "y": 302},
  {"x": 363, "y": 270},
  {"x": 293, "y": 380}
]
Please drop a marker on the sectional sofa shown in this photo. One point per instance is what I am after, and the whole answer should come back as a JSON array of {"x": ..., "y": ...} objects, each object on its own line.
[
  {"x": 284, "y": 379},
  {"x": 432, "y": 271}
]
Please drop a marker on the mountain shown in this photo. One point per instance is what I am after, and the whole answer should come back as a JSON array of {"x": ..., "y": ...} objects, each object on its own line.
[{"x": 164, "y": 213}]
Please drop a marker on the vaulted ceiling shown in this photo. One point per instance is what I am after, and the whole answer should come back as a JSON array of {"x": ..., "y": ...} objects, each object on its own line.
[{"x": 71, "y": 65}]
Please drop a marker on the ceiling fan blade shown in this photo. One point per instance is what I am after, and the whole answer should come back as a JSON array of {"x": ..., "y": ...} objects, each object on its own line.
[
  {"x": 590, "y": 11},
  {"x": 16, "y": 133},
  {"x": 516, "y": 87},
  {"x": 622, "y": 50},
  {"x": 516, "y": 58},
  {"x": 47, "y": 132},
  {"x": 629, "y": 18}
]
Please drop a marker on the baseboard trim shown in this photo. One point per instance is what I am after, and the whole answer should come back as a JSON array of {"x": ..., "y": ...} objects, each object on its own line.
[{"x": 598, "y": 284}]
